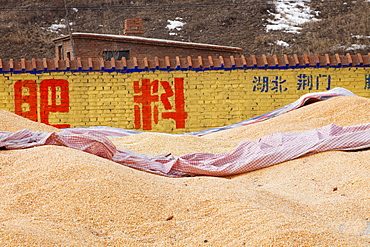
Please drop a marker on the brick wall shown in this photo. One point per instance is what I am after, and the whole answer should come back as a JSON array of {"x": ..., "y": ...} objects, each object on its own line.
[
  {"x": 93, "y": 46},
  {"x": 94, "y": 49},
  {"x": 165, "y": 99}
]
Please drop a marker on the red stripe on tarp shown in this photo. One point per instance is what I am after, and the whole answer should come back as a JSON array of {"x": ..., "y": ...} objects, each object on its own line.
[{"x": 248, "y": 156}]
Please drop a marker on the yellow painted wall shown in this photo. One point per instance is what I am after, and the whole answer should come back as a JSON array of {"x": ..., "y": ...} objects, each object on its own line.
[{"x": 212, "y": 98}]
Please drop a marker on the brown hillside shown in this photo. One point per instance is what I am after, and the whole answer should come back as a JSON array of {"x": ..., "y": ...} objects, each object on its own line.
[{"x": 25, "y": 30}]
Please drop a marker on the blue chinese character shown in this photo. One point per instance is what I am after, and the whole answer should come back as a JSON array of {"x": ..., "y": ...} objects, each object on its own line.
[
  {"x": 304, "y": 81},
  {"x": 367, "y": 81},
  {"x": 261, "y": 85},
  {"x": 328, "y": 81},
  {"x": 278, "y": 84}
]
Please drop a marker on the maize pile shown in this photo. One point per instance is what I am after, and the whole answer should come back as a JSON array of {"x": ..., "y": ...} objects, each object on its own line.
[{"x": 57, "y": 196}]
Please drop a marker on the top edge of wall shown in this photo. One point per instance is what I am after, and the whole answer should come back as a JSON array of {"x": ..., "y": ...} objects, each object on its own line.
[{"x": 185, "y": 63}]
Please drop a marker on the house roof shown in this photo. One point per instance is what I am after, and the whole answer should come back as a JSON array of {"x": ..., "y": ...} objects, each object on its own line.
[{"x": 150, "y": 41}]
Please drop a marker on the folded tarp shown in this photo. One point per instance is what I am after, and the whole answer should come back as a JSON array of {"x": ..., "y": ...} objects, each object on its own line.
[{"x": 248, "y": 156}]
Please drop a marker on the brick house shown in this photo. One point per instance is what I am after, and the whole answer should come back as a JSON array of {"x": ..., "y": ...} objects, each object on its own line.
[{"x": 133, "y": 44}]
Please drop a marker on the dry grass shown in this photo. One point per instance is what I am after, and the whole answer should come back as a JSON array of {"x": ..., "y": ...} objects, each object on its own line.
[{"x": 24, "y": 34}]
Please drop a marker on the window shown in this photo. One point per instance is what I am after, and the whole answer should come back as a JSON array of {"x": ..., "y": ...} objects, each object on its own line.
[
  {"x": 60, "y": 52},
  {"x": 118, "y": 55}
]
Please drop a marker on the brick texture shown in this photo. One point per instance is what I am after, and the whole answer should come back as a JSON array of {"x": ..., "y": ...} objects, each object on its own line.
[
  {"x": 172, "y": 101},
  {"x": 94, "y": 45}
]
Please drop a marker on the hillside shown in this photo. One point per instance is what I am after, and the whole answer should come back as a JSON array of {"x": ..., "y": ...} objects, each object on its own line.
[{"x": 320, "y": 27}]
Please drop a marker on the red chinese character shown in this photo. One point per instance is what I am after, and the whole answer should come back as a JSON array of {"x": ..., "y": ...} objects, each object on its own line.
[
  {"x": 30, "y": 99},
  {"x": 149, "y": 111},
  {"x": 179, "y": 114},
  {"x": 48, "y": 99},
  {"x": 146, "y": 98}
]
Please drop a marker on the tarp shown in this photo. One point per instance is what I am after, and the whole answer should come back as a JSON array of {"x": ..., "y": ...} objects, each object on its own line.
[{"x": 248, "y": 155}]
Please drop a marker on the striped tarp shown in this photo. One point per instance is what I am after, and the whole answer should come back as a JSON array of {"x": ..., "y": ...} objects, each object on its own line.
[{"x": 248, "y": 156}]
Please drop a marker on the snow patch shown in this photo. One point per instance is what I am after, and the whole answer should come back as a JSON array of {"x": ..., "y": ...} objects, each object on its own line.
[
  {"x": 55, "y": 28},
  {"x": 282, "y": 43},
  {"x": 175, "y": 25},
  {"x": 290, "y": 14},
  {"x": 58, "y": 26},
  {"x": 353, "y": 47},
  {"x": 361, "y": 36}
]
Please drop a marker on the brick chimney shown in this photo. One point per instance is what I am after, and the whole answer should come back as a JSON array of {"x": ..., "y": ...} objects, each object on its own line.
[{"x": 133, "y": 27}]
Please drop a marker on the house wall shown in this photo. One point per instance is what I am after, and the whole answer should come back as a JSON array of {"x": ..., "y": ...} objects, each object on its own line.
[
  {"x": 164, "y": 100},
  {"x": 93, "y": 48},
  {"x": 66, "y": 48}
]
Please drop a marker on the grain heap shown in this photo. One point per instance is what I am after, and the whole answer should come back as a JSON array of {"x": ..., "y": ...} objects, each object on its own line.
[
  {"x": 59, "y": 196},
  {"x": 12, "y": 123},
  {"x": 342, "y": 111}
]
